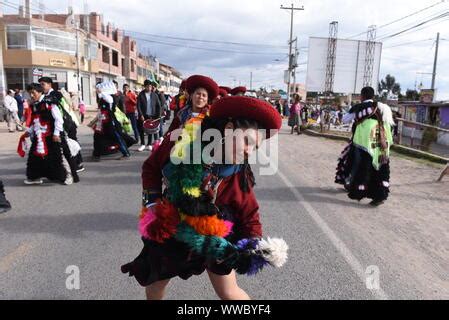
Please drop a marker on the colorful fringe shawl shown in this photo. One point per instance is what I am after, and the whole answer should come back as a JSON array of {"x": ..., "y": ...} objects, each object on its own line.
[{"x": 189, "y": 216}]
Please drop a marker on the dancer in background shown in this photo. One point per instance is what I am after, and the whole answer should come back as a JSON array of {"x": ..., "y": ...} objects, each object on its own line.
[
  {"x": 364, "y": 165},
  {"x": 109, "y": 137},
  {"x": 49, "y": 156},
  {"x": 70, "y": 121}
]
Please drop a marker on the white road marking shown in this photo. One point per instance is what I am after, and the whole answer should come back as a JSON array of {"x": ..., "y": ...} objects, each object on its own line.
[{"x": 341, "y": 247}]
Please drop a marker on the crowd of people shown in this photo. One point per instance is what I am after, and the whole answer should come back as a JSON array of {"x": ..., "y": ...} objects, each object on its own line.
[{"x": 195, "y": 217}]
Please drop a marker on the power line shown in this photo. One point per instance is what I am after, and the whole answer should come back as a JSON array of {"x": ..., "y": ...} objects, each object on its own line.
[
  {"x": 441, "y": 16},
  {"x": 428, "y": 26},
  {"x": 209, "y": 49},
  {"x": 32, "y": 6},
  {"x": 400, "y": 19},
  {"x": 410, "y": 24},
  {"x": 197, "y": 48},
  {"x": 208, "y": 41},
  {"x": 180, "y": 38},
  {"x": 407, "y": 43}
]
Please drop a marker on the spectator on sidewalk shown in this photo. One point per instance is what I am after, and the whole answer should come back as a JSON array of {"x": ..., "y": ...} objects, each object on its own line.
[
  {"x": 164, "y": 107},
  {"x": 119, "y": 98},
  {"x": 286, "y": 109},
  {"x": 148, "y": 107},
  {"x": 19, "y": 98},
  {"x": 131, "y": 108},
  {"x": 294, "y": 120},
  {"x": 10, "y": 104},
  {"x": 82, "y": 110}
]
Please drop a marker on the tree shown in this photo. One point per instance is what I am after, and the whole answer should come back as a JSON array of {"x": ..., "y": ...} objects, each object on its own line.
[
  {"x": 389, "y": 86},
  {"x": 412, "y": 95}
]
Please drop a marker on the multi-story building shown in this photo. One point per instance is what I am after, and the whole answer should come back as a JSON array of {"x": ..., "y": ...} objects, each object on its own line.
[
  {"x": 76, "y": 51},
  {"x": 129, "y": 50},
  {"x": 170, "y": 79},
  {"x": 33, "y": 47}
]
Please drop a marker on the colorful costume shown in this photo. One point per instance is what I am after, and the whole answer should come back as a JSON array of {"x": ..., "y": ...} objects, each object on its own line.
[
  {"x": 70, "y": 120},
  {"x": 49, "y": 159},
  {"x": 201, "y": 216},
  {"x": 109, "y": 137},
  {"x": 364, "y": 167}
]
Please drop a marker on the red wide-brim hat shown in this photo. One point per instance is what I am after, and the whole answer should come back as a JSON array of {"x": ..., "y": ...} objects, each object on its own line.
[
  {"x": 248, "y": 108},
  {"x": 197, "y": 81},
  {"x": 238, "y": 90},
  {"x": 183, "y": 85},
  {"x": 227, "y": 89},
  {"x": 223, "y": 93}
]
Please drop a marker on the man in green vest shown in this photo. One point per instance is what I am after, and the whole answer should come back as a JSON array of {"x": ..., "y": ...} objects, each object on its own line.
[{"x": 364, "y": 167}]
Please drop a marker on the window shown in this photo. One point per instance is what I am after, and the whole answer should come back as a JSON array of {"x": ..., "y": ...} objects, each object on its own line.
[
  {"x": 133, "y": 66},
  {"x": 53, "y": 40},
  {"x": 42, "y": 39},
  {"x": 93, "y": 51},
  {"x": 17, "y": 37},
  {"x": 105, "y": 53},
  {"x": 17, "y": 78},
  {"x": 103, "y": 31},
  {"x": 90, "y": 49},
  {"x": 83, "y": 23},
  {"x": 115, "y": 36},
  {"x": 115, "y": 58},
  {"x": 133, "y": 46}
]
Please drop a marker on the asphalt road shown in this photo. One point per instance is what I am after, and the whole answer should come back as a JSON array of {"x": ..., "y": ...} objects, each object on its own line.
[{"x": 334, "y": 242}]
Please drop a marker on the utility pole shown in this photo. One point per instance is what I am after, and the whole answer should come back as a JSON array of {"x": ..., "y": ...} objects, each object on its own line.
[
  {"x": 434, "y": 74},
  {"x": 78, "y": 75},
  {"x": 292, "y": 9},
  {"x": 295, "y": 65}
]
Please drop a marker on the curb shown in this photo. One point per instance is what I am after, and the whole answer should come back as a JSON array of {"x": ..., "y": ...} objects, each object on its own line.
[{"x": 398, "y": 148}]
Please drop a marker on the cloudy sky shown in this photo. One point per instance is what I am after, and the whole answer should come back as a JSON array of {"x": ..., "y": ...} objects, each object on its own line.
[{"x": 244, "y": 36}]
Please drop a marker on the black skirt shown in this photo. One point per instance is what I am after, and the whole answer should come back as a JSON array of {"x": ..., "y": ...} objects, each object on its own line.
[
  {"x": 367, "y": 182},
  {"x": 344, "y": 165},
  {"x": 112, "y": 140},
  {"x": 49, "y": 166},
  {"x": 171, "y": 259}
]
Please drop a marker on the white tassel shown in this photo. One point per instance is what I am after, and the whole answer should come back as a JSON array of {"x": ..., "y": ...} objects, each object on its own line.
[
  {"x": 387, "y": 114},
  {"x": 275, "y": 251}
]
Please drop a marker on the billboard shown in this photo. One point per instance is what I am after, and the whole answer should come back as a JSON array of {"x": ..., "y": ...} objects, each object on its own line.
[{"x": 349, "y": 65}]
